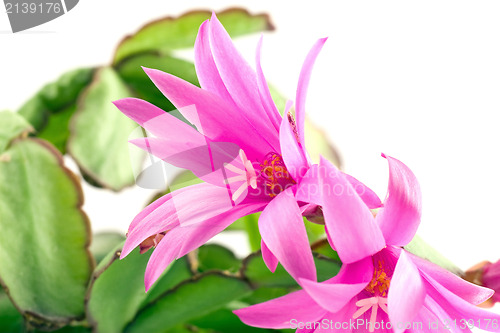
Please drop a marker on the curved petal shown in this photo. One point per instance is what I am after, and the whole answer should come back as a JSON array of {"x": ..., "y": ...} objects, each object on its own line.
[
  {"x": 335, "y": 293},
  {"x": 269, "y": 258},
  {"x": 279, "y": 312},
  {"x": 205, "y": 159},
  {"x": 469, "y": 292},
  {"x": 183, "y": 239},
  {"x": 265, "y": 94},
  {"x": 282, "y": 229},
  {"x": 308, "y": 189},
  {"x": 369, "y": 197},
  {"x": 347, "y": 218},
  {"x": 157, "y": 121},
  {"x": 186, "y": 206},
  {"x": 206, "y": 70},
  {"x": 400, "y": 217},
  {"x": 293, "y": 154},
  {"x": 211, "y": 115},
  {"x": 406, "y": 293},
  {"x": 240, "y": 80},
  {"x": 459, "y": 309},
  {"x": 305, "y": 76}
]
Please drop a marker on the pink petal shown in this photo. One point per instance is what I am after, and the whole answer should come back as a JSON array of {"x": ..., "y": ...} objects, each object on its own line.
[
  {"x": 400, "y": 217},
  {"x": 348, "y": 219},
  {"x": 213, "y": 116},
  {"x": 269, "y": 259},
  {"x": 460, "y": 309},
  {"x": 240, "y": 80},
  {"x": 293, "y": 154},
  {"x": 157, "y": 121},
  {"x": 183, "y": 239},
  {"x": 369, "y": 197},
  {"x": 205, "y": 159},
  {"x": 282, "y": 229},
  {"x": 308, "y": 189},
  {"x": 305, "y": 76},
  {"x": 206, "y": 70},
  {"x": 469, "y": 292},
  {"x": 265, "y": 95},
  {"x": 406, "y": 293},
  {"x": 186, "y": 206},
  {"x": 278, "y": 312},
  {"x": 335, "y": 293}
]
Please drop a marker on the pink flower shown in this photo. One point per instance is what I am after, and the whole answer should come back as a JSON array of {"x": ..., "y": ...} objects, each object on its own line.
[
  {"x": 379, "y": 281},
  {"x": 247, "y": 154}
]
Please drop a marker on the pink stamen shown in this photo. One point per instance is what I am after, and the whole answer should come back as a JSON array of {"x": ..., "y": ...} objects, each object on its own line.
[{"x": 371, "y": 303}]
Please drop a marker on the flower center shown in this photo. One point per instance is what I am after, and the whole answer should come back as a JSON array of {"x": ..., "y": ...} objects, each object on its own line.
[
  {"x": 274, "y": 175},
  {"x": 378, "y": 287}
]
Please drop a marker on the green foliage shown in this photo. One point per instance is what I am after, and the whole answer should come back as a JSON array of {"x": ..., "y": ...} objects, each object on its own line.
[
  {"x": 99, "y": 133},
  {"x": 50, "y": 109},
  {"x": 169, "y": 34},
  {"x": 44, "y": 240}
]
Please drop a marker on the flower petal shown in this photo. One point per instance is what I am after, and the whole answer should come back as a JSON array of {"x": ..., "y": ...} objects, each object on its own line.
[
  {"x": 369, "y": 197},
  {"x": 240, "y": 80},
  {"x": 282, "y": 229},
  {"x": 186, "y": 206},
  {"x": 469, "y": 292},
  {"x": 184, "y": 239},
  {"x": 406, "y": 293},
  {"x": 347, "y": 218},
  {"x": 293, "y": 155},
  {"x": 400, "y": 217},
  {"x": 278, "y": 312},
  {"x": 308, "y": 189},
  {"x": 211, "y": 115},
  {"x": 205, "y": 159},
  {"x": 206, "y": 70},
  {"x": 269, "y": 258},
  {"x": 459, "y": 309},
  {"x": 157, "y": 121},
  {"x": 335, "y": 293},
  {"x": 305, "y": 76}
]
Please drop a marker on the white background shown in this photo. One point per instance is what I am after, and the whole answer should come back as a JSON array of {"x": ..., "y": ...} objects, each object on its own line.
[{"x": 419, "y": 81}]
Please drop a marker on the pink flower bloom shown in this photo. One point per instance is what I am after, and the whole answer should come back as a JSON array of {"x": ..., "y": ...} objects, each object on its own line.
[
  {"x": 247, "y": 154},
  {"x": 379, "y": 281}
]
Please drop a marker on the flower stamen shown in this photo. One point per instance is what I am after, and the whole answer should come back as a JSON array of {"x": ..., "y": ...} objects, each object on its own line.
[
  {"x": 247, "y": 175},
  {"x": 274, "y": 174}
]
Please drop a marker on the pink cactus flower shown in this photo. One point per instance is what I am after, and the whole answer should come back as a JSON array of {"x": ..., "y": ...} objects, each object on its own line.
[
  {"x": 380, "y": 286},
  {"x": 247, "y": 154}
]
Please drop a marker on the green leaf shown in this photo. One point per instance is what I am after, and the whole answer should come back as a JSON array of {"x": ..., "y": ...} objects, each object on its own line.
[
  {"x": 132, "y": 73},
  {"x": 100, "y": 133},
  {"x": 56, "y": 100},
  {"x": 251, "y": 225},
  {"x": 118, "y": 288},
  {"x": 103, "y": 243},
  {"x": 13, "y": 126},
  {"x": 46, "y": 264},
  {"x": 225, "y": 321},
  {"x": 420, "y": 248},
  {"x": 322, "y": 247},
  {"x": 213, "y": 256},
  {"x": 168, "y": 34},
  {"x": 254, "y": 269},
  {"x": 192, "y": 299},
  {"x": 10, "y": 319}
]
